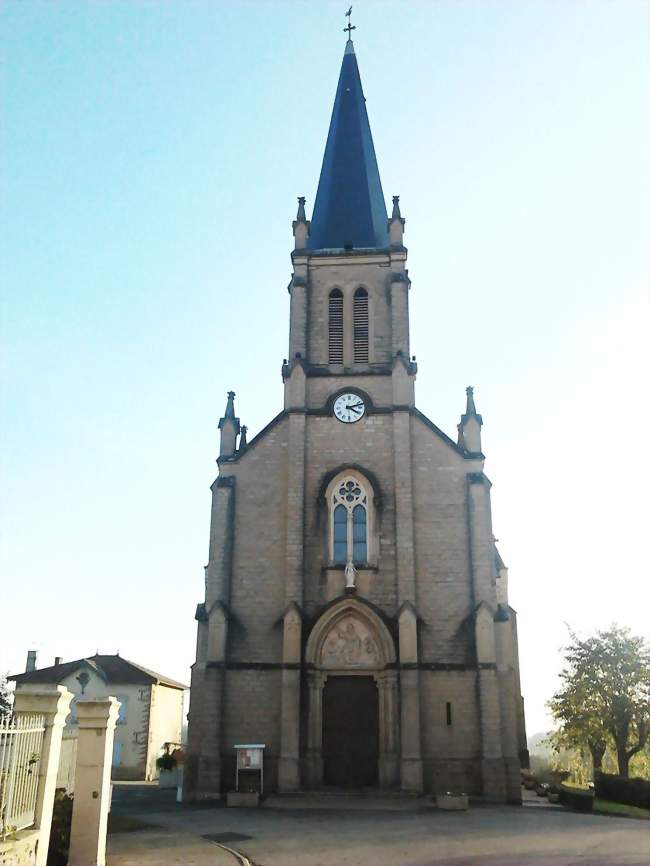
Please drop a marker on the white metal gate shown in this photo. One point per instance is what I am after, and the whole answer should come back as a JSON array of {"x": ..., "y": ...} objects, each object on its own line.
[{"x": 21, "y": 745}]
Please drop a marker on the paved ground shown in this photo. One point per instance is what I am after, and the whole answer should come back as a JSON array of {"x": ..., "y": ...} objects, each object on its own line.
[
  {"x": 386, "y": 832},
  {"x": 166, "y": 847}
]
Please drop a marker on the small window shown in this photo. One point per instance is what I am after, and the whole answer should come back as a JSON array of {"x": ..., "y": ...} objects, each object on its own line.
[
  {"x": 360, "y": 314},
  {"x": 448, "y": 714},
  {"x": 335, "y": 325}
]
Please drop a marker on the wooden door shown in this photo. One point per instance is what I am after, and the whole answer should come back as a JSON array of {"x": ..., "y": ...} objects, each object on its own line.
[{"x": 350, "y": 732}]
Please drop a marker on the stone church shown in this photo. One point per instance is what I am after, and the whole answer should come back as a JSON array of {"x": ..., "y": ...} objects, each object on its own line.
[{"x": 356, "y": 616}]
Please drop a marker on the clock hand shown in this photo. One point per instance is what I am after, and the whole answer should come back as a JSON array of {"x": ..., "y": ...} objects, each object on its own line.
[{"x": 354, "y": 405}]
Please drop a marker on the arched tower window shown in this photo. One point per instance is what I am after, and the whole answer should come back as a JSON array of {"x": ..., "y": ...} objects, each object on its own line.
[
  {"x": 335, "y": 323},
  {"x": 350, "y": 505},
  {"x": 360, "y": 316}
]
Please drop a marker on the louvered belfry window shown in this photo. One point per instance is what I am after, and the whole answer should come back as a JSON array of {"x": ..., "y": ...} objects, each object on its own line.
[
  {"x": 336, "y": 327},
  {"x": 361, "y": 326}
]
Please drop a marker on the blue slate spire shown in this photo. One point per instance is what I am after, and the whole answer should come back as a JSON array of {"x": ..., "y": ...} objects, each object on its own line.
[{"x": 350, "y": 210}]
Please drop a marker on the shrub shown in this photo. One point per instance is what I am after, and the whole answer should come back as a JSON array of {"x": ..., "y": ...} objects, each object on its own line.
[
  {"x": 578, "y": 799},
  {"x": 166, "y": 762},
  {"x": 617, "y": 789},
  {"x": 57, "y": 853}
]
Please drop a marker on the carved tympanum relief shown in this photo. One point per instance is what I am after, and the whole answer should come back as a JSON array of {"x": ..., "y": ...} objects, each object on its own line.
[{"x": 349, "y": 644}]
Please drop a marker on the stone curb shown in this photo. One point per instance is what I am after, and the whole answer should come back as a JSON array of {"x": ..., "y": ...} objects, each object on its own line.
[{"x": 242, "y": 859}]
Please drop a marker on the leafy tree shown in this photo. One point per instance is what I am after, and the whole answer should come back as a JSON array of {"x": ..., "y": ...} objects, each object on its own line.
[
  {"x": 605, "y": 693},
  {"x": 5, "y": 697},
  {"x": 582, "y": 724}
]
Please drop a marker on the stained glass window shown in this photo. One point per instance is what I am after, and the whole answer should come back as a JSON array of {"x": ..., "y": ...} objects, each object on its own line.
[
  {"x": 359, "y": 536},
  {"x": 340, "y": 534},
  {"x": 349, "y": 515}
]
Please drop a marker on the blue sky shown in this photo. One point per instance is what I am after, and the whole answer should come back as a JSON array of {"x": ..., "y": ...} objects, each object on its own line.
[{"x": 151, "y": 155}]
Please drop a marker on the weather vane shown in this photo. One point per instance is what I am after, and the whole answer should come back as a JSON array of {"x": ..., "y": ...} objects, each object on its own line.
[{"x": 350, "y": 26}]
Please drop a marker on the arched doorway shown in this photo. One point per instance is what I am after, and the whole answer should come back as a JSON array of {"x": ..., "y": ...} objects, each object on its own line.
[{"x": 352, "y": 729}]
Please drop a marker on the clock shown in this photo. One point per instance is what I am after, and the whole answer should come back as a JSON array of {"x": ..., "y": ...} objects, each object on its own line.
[{"x": 349, "y": 407}]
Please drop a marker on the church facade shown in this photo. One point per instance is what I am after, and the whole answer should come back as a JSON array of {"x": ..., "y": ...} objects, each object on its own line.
[{"x": 356, "y": 618}]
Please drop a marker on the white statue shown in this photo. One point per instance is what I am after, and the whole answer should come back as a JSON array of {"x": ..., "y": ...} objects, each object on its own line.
[{"x": 350, "y": 574}]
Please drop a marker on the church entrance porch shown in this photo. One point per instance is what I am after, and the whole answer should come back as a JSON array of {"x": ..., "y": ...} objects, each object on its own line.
[
  {"x": 350, "y": 732},
  {"x": 352, "y": 710}
]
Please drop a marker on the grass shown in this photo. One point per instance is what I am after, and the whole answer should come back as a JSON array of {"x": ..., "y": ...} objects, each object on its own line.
[{"x": 605, "y": 807}]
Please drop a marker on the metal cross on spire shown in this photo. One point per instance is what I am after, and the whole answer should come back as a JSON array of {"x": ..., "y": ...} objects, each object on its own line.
[{"x": 350, "y": 26}]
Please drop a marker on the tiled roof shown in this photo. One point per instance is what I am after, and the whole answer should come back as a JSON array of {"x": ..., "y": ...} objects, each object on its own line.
[{"x": 112, "y": 668}]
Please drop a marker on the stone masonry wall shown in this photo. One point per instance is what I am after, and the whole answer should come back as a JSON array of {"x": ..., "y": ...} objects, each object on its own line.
[
  {"x": 257, "y": 590},
  {"x": 442, "y": 567},
  {"x": 252, "y": 715},
  {"x": 450, "y": 753}
]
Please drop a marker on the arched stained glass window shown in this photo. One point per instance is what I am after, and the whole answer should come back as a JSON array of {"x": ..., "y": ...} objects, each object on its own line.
[
  {"x": 361, "y": 335},
  {"x": 335, "y": 325},
  {"x": 349, "y": 521}
]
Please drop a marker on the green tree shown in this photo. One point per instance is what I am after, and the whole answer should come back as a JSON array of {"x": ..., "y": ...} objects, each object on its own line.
[
  {"x": 582, "y": 724},
  {"x": 5, "y": 697},
  {"x": 605, "y": 693}
]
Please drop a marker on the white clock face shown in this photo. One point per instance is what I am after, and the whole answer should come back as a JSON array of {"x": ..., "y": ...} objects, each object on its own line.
[{"x": 349, "y": 408}]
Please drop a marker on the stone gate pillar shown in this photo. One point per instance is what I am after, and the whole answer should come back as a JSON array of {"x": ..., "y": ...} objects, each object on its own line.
[{"x": 96, "y": 718}]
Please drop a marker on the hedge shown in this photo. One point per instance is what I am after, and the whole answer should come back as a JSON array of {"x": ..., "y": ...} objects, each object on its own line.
[
  {"x": 632, "y": 792},
  {"x": 578, "y": 799}
]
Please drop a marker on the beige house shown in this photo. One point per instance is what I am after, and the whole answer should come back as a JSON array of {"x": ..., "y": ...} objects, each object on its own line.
[
  {"x": 356, "y": 618},
  {"x": 151, "y": 711}
]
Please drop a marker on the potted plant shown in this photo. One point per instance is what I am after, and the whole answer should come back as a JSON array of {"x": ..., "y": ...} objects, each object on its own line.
[
  {"x": 167, "y": 765},
  {"x": 452, "y": 802},
  {"x": 541, "y": 789}
]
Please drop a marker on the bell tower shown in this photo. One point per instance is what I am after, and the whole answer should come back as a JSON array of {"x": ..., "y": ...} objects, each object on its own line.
[{"x": 349, "y": 287}]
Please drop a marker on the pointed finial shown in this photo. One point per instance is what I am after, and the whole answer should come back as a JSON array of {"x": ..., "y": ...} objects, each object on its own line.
[
  {"x": 301, "y": 225},
  {"x": 242, "y": 439},
  {"x": 396, "y": 225},
  {"x": 471, "y": 408},
  {"x": 301, "y": 216},
  {"x": 350, "y": 26},
  {"x": 461, "y": 436},
  {"x": 230, "y": 405},
  {"x": 470, "y": 425}
]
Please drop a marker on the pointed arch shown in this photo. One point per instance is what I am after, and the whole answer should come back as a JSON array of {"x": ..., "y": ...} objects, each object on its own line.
[
  {"x": 335, "y": 327},
  {"x": 377, "y": 647},
  {"x": 351, "y": 519},
  {"x": 361, "y": 327}
]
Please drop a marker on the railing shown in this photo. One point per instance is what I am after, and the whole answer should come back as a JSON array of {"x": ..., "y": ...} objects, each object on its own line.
[{"x": 21, "y": 743}]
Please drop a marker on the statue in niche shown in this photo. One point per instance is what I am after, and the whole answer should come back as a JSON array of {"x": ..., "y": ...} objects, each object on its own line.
[{"x": 350, "y": 575}]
